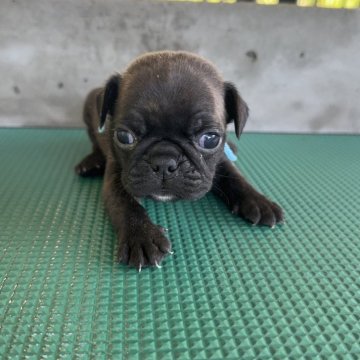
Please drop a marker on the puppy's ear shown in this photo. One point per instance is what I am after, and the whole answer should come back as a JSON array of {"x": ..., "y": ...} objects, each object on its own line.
[
  {"x": 111, "y": 93},
  {"x": 236, "y": 108}
]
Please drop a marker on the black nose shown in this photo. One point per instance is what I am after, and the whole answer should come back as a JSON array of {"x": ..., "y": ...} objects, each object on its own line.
[{"x": 164, "y": 166}]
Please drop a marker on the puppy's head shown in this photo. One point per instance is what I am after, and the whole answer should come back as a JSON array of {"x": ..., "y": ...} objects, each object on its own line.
[{"x": 168, "y": 115}]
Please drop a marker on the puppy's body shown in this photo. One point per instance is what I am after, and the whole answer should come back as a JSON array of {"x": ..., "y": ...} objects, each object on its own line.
[{"x": 165, "y": 119}]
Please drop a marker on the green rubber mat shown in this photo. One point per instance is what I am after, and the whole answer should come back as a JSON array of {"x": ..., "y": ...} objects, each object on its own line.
[{"x": 230, "y": 291}]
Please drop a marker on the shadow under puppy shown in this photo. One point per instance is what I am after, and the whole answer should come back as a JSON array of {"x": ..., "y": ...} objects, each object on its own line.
[{"x": 162, "y": 135}]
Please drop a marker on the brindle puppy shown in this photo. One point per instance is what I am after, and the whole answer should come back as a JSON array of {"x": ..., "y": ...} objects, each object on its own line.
[{"x": 162, "y": 135}]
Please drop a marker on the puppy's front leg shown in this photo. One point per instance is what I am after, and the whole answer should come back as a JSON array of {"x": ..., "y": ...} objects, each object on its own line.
[
  {"x": 243, "y": 199},
  {"x": 141, "y": 243}
]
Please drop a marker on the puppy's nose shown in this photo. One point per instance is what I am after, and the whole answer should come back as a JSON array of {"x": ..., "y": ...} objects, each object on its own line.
[{"x": 164, "y": 166}]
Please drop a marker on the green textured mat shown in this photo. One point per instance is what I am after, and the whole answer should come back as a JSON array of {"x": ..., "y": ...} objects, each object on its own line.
[{"x": 231, "y": 291}]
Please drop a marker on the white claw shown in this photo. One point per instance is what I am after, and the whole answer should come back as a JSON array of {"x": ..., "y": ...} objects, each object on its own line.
[
  {"x": 157, "y": 265},
  {"x": 139, "y": 268},
  {"x": 171, "y": 252},
  {"x": 272, "y": 227}
]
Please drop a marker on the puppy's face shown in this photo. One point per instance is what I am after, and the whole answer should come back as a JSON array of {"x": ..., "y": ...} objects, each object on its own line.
[{"x": 168, "y": 119}]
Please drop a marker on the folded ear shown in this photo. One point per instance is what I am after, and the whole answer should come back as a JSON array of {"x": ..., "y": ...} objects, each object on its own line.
[
  {"x": 236, "y": 108},
  {"x": 111, "y": 93}
]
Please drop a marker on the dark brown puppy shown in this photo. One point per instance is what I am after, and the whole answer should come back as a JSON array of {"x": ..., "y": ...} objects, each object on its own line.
[{"x": 162, "y": 135}]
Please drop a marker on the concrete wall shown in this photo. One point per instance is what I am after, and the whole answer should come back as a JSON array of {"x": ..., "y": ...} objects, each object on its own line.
[{"x": 299, "y": 69}]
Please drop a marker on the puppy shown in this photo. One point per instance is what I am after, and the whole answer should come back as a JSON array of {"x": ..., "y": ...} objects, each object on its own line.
[{"x": 158, "y": 130}]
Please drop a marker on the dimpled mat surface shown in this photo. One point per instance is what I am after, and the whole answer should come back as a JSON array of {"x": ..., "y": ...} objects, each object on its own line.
[{"x": 230, "y": 291}]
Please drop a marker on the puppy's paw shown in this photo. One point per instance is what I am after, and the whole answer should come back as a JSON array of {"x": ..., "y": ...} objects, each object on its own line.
[
  {"x": 143, "y": 246},
  {"x": 257, "y": 209},
  {"x": 91, "y": 165}
]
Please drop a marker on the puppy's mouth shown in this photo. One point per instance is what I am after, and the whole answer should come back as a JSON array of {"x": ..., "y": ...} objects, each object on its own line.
[
  {"x": 163, "y": 195},
  {"x": 166, "y": 195},
  {"x": 163, "y": 198}
]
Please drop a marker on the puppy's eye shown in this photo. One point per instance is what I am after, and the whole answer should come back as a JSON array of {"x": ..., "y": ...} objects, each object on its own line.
[
  {"x": 125, "y": 137},
  {"x": 209, "y": 140}
]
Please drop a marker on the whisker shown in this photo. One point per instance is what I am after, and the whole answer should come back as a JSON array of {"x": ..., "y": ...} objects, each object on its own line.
[
  {"x": 225, "y": 176},
  {"x": 222, "y": 194}
]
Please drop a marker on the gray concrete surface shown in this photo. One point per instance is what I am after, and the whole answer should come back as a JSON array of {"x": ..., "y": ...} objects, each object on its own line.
[{"x": 298, "y": 69}]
